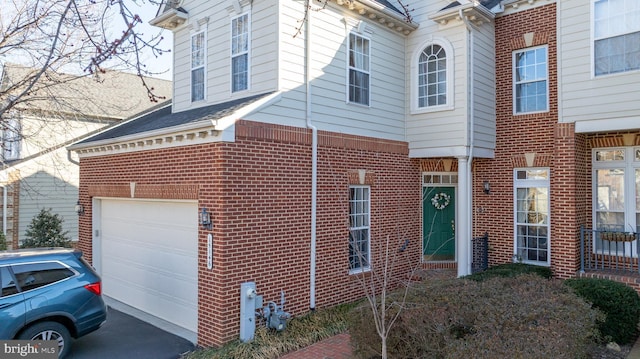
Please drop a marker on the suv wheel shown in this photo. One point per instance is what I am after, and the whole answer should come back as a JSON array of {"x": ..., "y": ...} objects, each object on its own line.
[{"x": 49, "y": 331}]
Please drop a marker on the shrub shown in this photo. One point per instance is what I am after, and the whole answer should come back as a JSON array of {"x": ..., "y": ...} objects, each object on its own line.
[
  {"x": 620, "y": 304},
  {"x": 45, "y": 230},
  {"x": 514, "y": 317},
  {"x": 511, "y": 270},
  {"x": 3, "y": 242}
]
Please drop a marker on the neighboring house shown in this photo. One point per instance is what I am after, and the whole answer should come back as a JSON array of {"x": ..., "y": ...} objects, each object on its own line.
[
  {"x": 311, "y": 145},
  {"x": 37, "y": 172}
]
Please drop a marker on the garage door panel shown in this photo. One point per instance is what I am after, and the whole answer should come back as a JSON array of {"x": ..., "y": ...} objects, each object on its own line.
[{"x": 149, "y": 257}]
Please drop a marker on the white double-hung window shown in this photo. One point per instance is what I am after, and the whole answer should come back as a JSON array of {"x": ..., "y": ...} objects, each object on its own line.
[
  {"x": 240, "y": 46},
  {"x": 198, "y": 50},
  {"x": 530, "y": 80},
  {"x": 616, "y": 36},
  {"x": 359, "y": 69},
  {"x": 359, "y": 225}
]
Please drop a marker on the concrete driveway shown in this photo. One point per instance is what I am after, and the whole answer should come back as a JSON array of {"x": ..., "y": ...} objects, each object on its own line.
[{"x": 124, "y": 336}]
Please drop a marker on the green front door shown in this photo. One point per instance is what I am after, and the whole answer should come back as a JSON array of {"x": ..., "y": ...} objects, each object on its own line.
[{"x": 438, "y": 223}]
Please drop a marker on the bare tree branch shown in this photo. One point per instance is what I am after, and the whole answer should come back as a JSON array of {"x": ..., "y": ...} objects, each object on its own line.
[{"x": 72, "y": 36}]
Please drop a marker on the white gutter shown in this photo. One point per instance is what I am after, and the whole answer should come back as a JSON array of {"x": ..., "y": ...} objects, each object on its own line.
[
  {"x": 314, "y": 162},
  {"x": 4, "y": 210},
  {"x": 468, "y": 195}
]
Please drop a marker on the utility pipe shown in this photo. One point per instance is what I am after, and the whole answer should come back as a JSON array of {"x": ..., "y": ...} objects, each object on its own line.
[{"x": 314, "y": 159}]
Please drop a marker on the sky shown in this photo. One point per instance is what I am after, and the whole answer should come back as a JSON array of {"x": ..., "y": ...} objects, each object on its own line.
[{"x": 147, "y": 12}]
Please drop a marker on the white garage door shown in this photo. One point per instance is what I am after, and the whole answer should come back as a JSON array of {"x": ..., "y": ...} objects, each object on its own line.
[{"x": 149, "y": 257}]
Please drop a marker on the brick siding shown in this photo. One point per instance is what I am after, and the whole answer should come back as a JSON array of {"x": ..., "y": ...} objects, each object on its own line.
[
  {"x": 258, "y": 190},
  {"x": 536, "y": 136},
  {"x": 544, "y": 139}
]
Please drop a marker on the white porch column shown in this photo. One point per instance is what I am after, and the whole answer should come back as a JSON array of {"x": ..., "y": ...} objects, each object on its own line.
[{"x": 463, "y": 227}]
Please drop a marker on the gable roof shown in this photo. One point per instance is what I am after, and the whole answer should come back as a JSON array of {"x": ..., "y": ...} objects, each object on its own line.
[
  {"x": 163, "y": 118},
  {"x": 388, "y": 5},
  {"x": 489, "y": 4},
  {"x": 114, "y": 95}
]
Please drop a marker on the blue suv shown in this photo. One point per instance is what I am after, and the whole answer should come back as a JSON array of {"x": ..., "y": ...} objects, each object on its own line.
[{"x": 49, "y": 294}]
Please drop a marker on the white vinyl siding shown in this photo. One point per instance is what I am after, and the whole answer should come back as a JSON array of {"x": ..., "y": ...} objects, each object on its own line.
[
  {"x": 530, "y": 80},
  {"x": 616, "y": 33},
  {"x": 594, "y": 103},
  {"x": 359, "y": 69},
  {"x": 262, "y": 58},
  {"x": 331, "y": 111},
  {"x": 445, "y": 131},
  {"x": 198, "y": 62},
  {"x": 240, "y": 46}
]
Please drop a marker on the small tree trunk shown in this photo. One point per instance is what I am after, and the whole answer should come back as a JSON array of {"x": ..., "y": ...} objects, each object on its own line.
[{"x": 384, "y": 348}]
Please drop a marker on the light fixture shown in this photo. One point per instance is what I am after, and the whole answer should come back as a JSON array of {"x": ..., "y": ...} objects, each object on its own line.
[
  {"x": 486, "y": 187},
  {"x": 205, "y": 218},
  {"x": 79, "y": 208}
]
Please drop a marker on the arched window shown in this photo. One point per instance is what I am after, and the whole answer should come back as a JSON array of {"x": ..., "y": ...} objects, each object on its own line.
[{"x": 432, "y": 77}]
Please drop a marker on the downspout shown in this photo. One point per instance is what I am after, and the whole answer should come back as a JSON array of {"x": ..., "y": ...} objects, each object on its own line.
[
  {"x": 4, "y": 210},
  {"x": 314, "y": 161},
  {"x": 470, "y": 145}
]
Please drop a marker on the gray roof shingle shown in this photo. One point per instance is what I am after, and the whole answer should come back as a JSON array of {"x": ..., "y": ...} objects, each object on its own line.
[{"x": 164, "y": 118}]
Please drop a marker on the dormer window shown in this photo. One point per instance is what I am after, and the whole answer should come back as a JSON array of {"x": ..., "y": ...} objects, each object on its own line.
[
  {"x": 198, "y": 48},
  {"x": 240, "y": 53}
]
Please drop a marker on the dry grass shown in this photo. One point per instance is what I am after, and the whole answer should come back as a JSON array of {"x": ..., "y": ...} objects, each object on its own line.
[{"x": 300, "y": 333}]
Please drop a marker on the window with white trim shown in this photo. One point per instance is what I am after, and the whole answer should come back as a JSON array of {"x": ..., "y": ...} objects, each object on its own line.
[
  {"x": 531, "y": 208},
  {"x": 616, "y": 36},
  {"x": 198, "y": 49},
  {"x": 359, "y": 65},
  {"x": 432, "y": 77},
  {"x": 240, "y": 47},
  {"x": 616, "y": 181},
  {"x": 11, "y": 139},
  {"x": 530, "y": 80},
  {"x": 359, "y": 225}
]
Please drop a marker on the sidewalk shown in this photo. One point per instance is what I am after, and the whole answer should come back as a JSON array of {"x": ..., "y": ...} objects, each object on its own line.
[
  {"x": 336, "y": 347},
  {"x": 635, "y": 351},
  {"x": 339, "y": 347}
]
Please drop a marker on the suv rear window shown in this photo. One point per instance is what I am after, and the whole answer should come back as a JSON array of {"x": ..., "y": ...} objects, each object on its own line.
[
  {"x": 8, "y": 285},
  {"x": 35, "y": 275}
]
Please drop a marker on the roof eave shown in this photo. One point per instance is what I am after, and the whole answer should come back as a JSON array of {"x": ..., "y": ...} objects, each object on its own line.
[
  {"x": 170, "y": 19},
  {"x": 475, "y": 12},
  {"x": 204, "y": 126},
  {"x": 374, "y": 11}
]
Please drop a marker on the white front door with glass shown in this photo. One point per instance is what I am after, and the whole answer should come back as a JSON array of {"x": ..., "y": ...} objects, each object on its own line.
[{"x": 531, "y": 208}]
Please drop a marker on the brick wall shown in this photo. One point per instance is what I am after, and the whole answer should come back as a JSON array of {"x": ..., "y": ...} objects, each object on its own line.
[
  {"x": 529, "y": 140},
  {"x": 258, "y": 190}
]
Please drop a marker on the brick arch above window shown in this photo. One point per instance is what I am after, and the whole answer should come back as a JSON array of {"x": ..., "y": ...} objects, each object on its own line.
[{"x": 530, "y": 39}]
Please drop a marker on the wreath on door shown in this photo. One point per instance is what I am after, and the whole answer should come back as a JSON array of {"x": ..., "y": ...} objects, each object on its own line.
[{"x": 441, "y": 200}]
